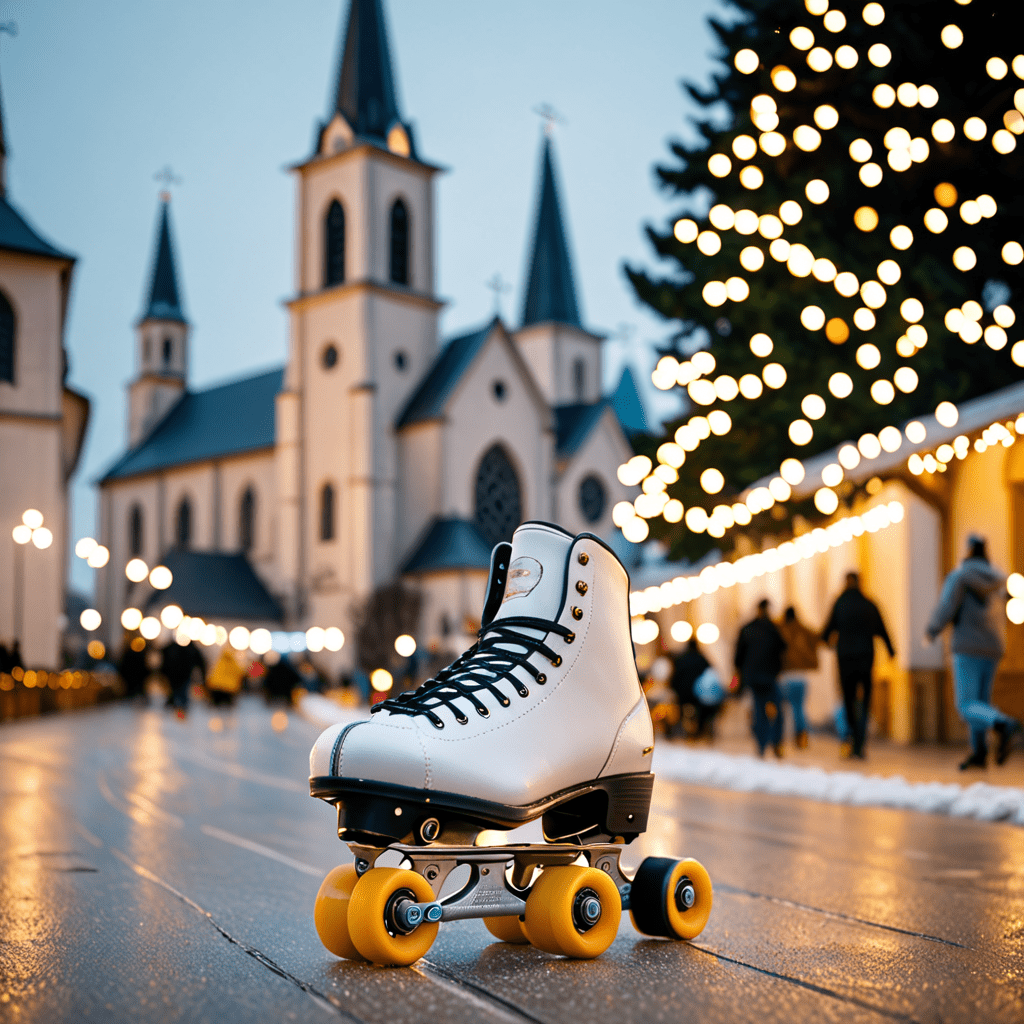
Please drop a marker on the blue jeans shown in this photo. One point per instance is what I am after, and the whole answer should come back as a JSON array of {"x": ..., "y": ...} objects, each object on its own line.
[
  {"x": 794, "y": 690},
  {"x": 767, "y": 711},
  {"x": 973, "y": 680}
]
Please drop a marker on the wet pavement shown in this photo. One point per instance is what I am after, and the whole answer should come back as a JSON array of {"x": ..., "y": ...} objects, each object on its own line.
[{"x": 153, "y": 869}]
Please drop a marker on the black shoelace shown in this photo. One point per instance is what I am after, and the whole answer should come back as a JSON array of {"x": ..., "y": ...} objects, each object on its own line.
[{"x": 482, "y": 667}]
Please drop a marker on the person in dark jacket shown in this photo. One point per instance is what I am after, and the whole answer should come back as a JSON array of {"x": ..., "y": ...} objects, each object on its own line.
[
  {"x": 856, "y": 621},
  {"x": 179, "y": 660},
  {"x": 687, "y": 667},
  {"x": 976, "y": 648},
  {"x": 758, "y": 660},
  {"x": 131, "y": 666}
]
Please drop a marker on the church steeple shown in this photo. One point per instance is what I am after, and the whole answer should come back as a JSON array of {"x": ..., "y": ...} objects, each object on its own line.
[
  {"x": 550, "y": 292},
  {"x": 164, "y": 301},
  {"x": 366, "y": 85}
]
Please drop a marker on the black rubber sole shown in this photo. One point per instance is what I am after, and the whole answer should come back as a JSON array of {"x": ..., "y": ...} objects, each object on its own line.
[{"x": 369, "y": 812}]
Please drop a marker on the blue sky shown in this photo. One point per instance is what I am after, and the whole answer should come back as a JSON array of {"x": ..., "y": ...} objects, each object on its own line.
[{"x": 97, "y": 97}]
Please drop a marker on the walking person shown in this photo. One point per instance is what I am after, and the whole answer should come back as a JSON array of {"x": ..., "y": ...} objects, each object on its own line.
[
  {"x": 800, "y": 656},
  {"x": 856, "y": 621},
  {"x": 758, "y": 660},
  {"x": 976, "y": 648}
]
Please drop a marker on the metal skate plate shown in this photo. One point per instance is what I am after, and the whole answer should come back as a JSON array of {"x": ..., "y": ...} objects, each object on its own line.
[{"x": 492, "y": 889}]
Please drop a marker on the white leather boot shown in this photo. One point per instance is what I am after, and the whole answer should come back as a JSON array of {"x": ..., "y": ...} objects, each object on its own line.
[{"x": 543, "y": 717}]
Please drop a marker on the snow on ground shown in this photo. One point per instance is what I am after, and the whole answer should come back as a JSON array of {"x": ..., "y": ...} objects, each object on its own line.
[{"x": 750, "y": 774}]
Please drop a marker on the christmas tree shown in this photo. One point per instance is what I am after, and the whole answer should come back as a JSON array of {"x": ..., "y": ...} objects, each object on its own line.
[{"x": 849, "y": 241}]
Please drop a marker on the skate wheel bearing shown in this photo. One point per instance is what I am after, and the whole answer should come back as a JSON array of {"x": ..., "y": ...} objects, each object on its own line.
[
  {"x": 376, "y": 937},
  {"x": 573, "y": 911}
]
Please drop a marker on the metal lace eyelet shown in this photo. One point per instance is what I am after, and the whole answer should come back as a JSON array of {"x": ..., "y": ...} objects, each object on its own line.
[
  {"x": 505, "y": 702},
  {"x": 581, "y": 587},
  {"x": 583, "y": 558},
  {"x": 577, "y": 613},
  {"x": 542, "y": 679},
  {"x": 570, "y": 637},
  {"x": 557, "y": 660}
]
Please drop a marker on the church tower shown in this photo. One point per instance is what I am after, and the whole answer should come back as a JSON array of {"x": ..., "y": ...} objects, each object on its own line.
[
  {"x": 564, "y": 356},
  {"x": 363, "y": 330},
  {"x": 161, "y": 336}
]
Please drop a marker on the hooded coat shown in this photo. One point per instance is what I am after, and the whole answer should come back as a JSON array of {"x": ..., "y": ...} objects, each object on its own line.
[{"x": 967, "y": 596}]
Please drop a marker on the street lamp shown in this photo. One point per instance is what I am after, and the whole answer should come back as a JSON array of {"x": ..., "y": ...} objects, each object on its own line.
[{"x": 29, "y": 529}]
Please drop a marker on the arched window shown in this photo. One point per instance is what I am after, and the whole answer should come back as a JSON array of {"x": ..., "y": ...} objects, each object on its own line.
[
  {"x": 327, "y": 512},
  {"x": 183, "y": 524},
  {"x": 579, "y": 379},
  {"x": 6, "y": 340},
  {"x": 168, "y": 351},
  {"x": 136, "y": 538},
  {"x": 593, "y": 498},
  {"x": 247, "y": 520},
  {"x": 399, "y": 243},
  {"x": 334, "y": 245},
  {"x": 499, "y": 505}
]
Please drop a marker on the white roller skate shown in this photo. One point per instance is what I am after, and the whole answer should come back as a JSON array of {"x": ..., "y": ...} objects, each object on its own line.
[{"x": 543, "y": 717}]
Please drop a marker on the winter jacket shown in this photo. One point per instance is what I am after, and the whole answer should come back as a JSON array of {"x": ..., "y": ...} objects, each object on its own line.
[
  {"x": 857, "y": 621},
  {"x": 759, "y": 649},
  {"x": 967, "y": 595},
  {"x": 687, "y": 669},
  {"x": 801, "y": 646}
]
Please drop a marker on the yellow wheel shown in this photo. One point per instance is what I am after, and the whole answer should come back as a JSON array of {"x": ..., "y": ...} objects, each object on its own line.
[
  {"x": 573, "y": 911},
  {"x": 507, "y": 929},
  {"x": 371, "y": 921},
  {"x": 671, "y": 898},
  {"x": 330, "y": 912}
]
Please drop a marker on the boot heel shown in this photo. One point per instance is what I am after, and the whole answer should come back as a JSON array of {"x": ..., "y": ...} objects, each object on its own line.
[{"x": 617, "y": 806}]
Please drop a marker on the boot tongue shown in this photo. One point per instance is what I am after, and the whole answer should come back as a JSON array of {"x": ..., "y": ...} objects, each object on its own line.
[{"x": 536, "y": 572}]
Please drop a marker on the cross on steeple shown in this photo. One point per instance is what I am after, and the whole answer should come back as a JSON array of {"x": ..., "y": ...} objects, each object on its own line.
[
  {"x": 550, "y": 117},
  {"x": 167, "y": 178},
  {"x": 498, "y": 285}
]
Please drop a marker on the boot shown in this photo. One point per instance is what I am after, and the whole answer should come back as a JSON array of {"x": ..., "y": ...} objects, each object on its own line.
[
  {"x": 978, "y": 758},
  {"x": 543, "y": 716},
  {"x": 1005, "y": 732}
]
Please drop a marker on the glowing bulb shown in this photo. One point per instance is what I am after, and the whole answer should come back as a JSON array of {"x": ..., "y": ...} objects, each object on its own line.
[
  {"x": 709, "y": 242},
  {"x": 685, "y": 230},
  {"x": 951, "y": 37},
  {"x": 868, "y": 356},
  {"x": 883, "y": 392},
  {"x": 901, "y": 237},
  {"x": 85, "y": 547},
  {"x": 832, "y": 475},
  {"x": 870, "y": 175},
  {"x": 802, "y": 38},
  {"x": 719, "y": 421},
  {"x": 99, "y": 557},
  {"x": 947, "y": 414},
  {"x": 774, "y": 375},
  {"x": 171, "y": 616},
  {"x": 779, "y": 250},
  {"x": 160, "y": 577},
  {"x": 761, "y": 345},
  {"x": 911, "y": 310},
  {"x": 751, "y": 177},
  {"x": 813, "y": 407},
  {"x": 869, "y": 446},
  {"x": 136, "y": 570},
  {"x": 889, "y": 272},
  {"x": 405, "y": 645},
  {"x": 792, "y": 471},
  {"x": 943, "y": 130},
  {"x": 751, "y": 258},
  {"x": 890, "y": 439},
  {"x": 936, "y": 221},
  {"x": 834, "y": 21},
  {"x": 791, "y": 212},
  {"x": 783, "y": 79},
  {"x": 849, "y": 456},
  {"x": 995, "y": 337},
  {"x": 1003, "y": 142},
  {"x": 906, "y": 379},
  {"x": 846, "y": 284},
  {"x": 712, "y": 481},
  {"x": 90, "y": 619},
  {"x": 1004, "y": 316},
  {"x": 840, "y": 384},
  {"x": 773, "y": 143},
  {"x": 824, "y": 270},
  {"x": 975, "y": 129},
  {"x": 873, "y": 14},
  {"x": 813, "y": 318},
  {"x": 816, "y": 191},
  {"x": 987, "y": 205},
  {"x": 1013, "y": 253},
  {"x": 722, "y": 216},
  {"x": 860, "y": 151},
  {"x": 807, "y": 138},
  {"x": 964, "y": 258},
  {"x": 883, "y": 95},
  {"x": 746, "y": 62},
  {"x": 751, "y": 386},
  {"x": 879, "y": 54},
  {"x": 847, "y": 57},
  {"x": 715, "y": 294},
  {"x": 819, "y": 59},
  {"x": 907, "y": 94},
  {"x": 996, "y": 67},
  {"x": 719, "y": 165},
  {"x": 916, "y": 432},
  {"x": 864, "y": 319},
  {"x": 826, "y": 501},
  {"x": 800, "y": 432},
  {"x": 826, "y": 117}
]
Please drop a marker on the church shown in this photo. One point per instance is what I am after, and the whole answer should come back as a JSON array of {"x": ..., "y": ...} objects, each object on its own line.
[{"x": 379, "y": 452}]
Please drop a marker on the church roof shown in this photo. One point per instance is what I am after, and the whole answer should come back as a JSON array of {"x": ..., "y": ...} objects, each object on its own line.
[
  {"x": 214, "y": 586},
  {"x": 164, "y": 302},
  {"x": 18, "y": 236},
  {"x": 428, "y": 400},
  {"x": 550, "y": 292},
  {"x": 573, "y": 424},
  {"x": 628, "y": 405},
  {"x": 366, "y": 93},
  {"x": 225, "y": 420},
  {"x": 449, "y": 544}
]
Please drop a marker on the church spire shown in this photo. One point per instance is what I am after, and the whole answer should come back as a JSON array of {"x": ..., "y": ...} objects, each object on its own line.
[
  {"x": 366, "y": 94},
  {"x": 550, "y": 292},
  {"x": 164, "y": 302}
]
